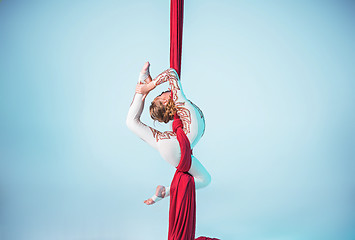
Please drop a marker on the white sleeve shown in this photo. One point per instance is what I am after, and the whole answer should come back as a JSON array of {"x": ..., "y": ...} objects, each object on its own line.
[
  {"x": 179, "y": 97},
  {"x": 135, "y": 125}
]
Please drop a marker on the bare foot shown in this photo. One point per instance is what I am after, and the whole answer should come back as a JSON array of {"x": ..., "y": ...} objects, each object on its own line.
[
  {"x": 145, "y": 67},
  {"x": 145, "y": 71},
  {"x": 159, "y": 192}
]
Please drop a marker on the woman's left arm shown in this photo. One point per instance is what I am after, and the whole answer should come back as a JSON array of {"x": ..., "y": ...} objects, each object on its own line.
[
  {"x": 172, "y": 77},
  {"x": 179, "y": 97}
]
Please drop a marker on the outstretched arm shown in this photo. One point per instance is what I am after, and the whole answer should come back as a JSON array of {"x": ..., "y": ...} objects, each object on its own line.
[{"x": 133, "y": 118}]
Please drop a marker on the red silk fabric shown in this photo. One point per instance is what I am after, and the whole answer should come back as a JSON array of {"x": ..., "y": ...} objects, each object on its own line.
[
  {"x": 176, "y": 22},
  {"x": 206, "y": 238},
  {"x": 182, "y": 213}
]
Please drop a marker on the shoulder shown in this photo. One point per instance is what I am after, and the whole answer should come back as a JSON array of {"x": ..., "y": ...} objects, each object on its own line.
[{"x": 173, "y": 72}]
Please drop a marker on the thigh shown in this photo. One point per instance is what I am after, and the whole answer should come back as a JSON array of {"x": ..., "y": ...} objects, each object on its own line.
[
  {"x": 169, "y": 149},
  {"x": 197, "y": 170}
]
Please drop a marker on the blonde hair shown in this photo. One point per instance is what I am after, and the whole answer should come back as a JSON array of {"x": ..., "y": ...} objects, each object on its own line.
[{"x": 162, "y": 113}]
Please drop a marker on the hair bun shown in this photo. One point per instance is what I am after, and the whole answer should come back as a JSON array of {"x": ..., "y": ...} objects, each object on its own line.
[
  {"x": 162, "y": 113},
  {"x": 170, "y": 110}
]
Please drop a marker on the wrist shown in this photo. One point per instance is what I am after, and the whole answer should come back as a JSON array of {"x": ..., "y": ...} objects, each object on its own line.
[{"x": 151, "y": 85}]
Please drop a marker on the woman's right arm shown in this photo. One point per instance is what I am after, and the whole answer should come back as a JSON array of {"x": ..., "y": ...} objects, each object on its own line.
[{"x": 135, "y": 125}]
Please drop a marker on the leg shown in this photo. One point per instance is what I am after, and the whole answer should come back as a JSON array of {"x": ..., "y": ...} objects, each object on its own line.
[
  {"x": 144, "y": 76},
  {"x": 200, "y": 174},
  {"x": 198, "y": 171},
  {"x": 160, "y": 193}
]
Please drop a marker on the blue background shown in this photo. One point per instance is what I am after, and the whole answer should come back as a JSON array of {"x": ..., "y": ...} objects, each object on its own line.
[{"x": 275, "y": 80}]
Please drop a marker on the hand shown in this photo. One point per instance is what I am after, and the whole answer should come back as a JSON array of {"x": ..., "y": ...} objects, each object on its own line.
[
  {"x": 144, "y": 88},
  {"x": 147, "y": 80}
]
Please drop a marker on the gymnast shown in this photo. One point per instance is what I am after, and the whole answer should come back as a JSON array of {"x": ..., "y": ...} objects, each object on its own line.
[{"x": 163, "y": 109}]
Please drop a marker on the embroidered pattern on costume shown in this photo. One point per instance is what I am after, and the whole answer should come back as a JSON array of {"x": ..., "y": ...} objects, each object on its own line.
[
  {"x": 184, "y": 114},
  {"x": 161, "y": 135}
]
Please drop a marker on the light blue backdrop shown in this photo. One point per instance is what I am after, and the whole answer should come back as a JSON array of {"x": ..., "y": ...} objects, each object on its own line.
[{"x": 275, "y": 80}]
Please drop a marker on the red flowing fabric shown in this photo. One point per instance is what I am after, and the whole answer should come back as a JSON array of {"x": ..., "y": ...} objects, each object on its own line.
[
  {"x": 176, "y": 22},
  {"x": 206, "y": 238},
  {"x": 182, "y": 212}
]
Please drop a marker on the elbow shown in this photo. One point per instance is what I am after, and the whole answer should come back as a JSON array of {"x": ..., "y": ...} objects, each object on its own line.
[
  {"x": 132, "y": 123},
  {"x": 129, "y": 123},
  {"x": 206, "y": 180}
]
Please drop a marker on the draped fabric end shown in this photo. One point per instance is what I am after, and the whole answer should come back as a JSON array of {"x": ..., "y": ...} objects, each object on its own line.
[{"x": 206, "y": 238}]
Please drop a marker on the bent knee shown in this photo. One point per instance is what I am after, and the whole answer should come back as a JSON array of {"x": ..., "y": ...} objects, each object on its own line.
[{"x": 207, "y": 179}]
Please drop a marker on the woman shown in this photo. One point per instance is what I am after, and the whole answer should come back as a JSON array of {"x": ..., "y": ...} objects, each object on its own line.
[{"x": 163, "y": 109}]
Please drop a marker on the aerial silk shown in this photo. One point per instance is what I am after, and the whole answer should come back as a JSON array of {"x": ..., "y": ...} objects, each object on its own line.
[
  {"x": 182, "y": 212},
  {"x": 176, "y": 22}
]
